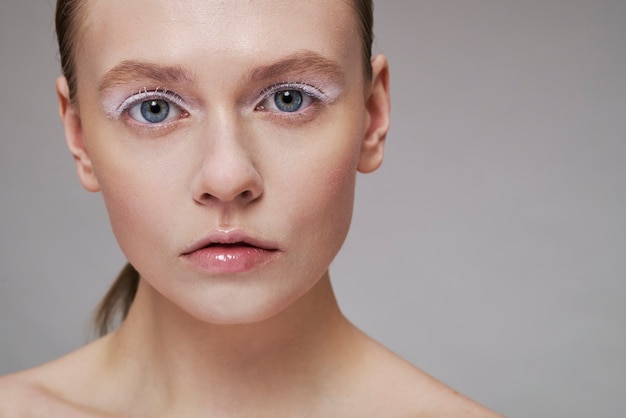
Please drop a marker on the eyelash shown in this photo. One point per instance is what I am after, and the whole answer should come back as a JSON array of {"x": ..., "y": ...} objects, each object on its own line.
[
  {"x": 310, "y": 92},
  {"x": 157, "y": 94}
]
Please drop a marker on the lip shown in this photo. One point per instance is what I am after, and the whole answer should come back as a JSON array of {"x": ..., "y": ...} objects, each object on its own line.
[{"x": 229, "y": 252}]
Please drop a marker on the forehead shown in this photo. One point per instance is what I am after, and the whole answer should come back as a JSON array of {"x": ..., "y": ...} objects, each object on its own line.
[{"x": 214, "y": 30}]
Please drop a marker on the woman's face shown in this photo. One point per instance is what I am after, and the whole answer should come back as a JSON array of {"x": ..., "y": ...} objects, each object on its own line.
[{"x": 225, "y": 137}]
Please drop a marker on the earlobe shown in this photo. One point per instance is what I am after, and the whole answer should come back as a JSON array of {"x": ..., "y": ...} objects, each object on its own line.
[
  {"x": 74, "y": 136},
  {"x": 378, "y": 107}
]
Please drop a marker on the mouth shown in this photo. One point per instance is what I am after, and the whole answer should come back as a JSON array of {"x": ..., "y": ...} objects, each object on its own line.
[
  {"x": 229, "y": 240},
  {"x": 233, "y": 252}
]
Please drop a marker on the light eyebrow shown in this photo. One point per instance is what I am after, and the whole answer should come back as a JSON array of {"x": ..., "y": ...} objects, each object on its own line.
[
  {"x": 300, "y": 63},
  {"x": 131, "y": 71}
]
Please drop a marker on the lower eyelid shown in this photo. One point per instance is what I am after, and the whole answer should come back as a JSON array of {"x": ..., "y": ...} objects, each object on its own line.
[
  {"x": 171, "y": 117},
  {"x": 171, "y": 98},
  {"x": 314, "y": 97}
]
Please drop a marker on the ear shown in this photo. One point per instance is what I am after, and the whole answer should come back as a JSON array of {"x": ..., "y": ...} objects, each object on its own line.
[
  {"x": 74, "y": 136},
  {"x": 378, "y": 107}
]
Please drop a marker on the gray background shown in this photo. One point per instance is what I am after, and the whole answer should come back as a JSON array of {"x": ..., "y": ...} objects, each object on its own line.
[{"x": 490, "y": 248}]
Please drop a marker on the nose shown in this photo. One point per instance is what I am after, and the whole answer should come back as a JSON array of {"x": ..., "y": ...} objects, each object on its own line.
[{"x": 227, "y": 172}]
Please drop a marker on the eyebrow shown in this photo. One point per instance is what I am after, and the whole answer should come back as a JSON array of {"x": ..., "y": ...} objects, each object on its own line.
[
  {"x": 300, "y": 63},
  {"x": 304, "y": 62},
  {"x": 130, "y": 71}
]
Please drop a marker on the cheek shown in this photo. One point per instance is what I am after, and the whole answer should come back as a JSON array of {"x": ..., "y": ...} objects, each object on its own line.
[
  {"x": 320, "y": 196},
  {"x": 319, "y": 184},
  {"x": 332, "y": 187},
  {"x": 136, "y": 219},
  {"x": 138, "y": 200},
  {"x": 138, "y": 183}
]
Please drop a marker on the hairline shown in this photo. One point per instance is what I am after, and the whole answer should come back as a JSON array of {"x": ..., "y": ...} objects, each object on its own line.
[{"x": 80, "y": 24}]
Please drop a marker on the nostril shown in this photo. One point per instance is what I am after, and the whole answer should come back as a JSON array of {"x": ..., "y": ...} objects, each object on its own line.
[
  {"x": 226, "y": 186},
  {"x": 245, "y": 196}
]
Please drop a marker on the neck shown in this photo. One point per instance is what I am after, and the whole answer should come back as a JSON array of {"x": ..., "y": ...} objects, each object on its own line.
[{"x": 189, "y": 361}]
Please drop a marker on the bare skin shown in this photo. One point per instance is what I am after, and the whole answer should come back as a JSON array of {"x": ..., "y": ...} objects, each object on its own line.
[
  {"x": 307, "y": 361},
  {"x": 249, "y": 340}
]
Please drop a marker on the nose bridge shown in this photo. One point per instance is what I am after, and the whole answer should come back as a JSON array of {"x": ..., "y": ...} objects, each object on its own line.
[{"x": 227, "y": 172}]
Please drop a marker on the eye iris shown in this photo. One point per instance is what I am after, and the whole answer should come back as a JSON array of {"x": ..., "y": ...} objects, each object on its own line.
[
  {"x": 288, "y": 100},
  {"x": 155, "y": 111}
]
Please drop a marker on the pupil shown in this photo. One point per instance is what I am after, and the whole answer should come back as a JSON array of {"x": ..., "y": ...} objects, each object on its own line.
[
  {"x": 287, "y": 97},
  {"x": 155, "y": 107}
]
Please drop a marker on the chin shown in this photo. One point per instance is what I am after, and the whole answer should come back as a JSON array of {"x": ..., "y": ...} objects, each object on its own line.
[
  {"x": 240, "y": 308},
  {"x": 234, "y": 316}
]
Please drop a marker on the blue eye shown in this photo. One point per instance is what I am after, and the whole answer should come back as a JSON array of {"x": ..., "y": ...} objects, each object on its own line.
[
  {"x": 154, "y": 111},
  {"x": 288, "y": 100}
]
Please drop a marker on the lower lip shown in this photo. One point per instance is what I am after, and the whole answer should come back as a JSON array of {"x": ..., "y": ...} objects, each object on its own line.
[{"x": 230, "y": 259}]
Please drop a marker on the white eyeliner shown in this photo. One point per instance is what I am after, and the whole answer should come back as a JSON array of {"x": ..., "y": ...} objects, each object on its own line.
[
  {"x": 142, "y": 96},
  {"x": 305, "y": 88}
]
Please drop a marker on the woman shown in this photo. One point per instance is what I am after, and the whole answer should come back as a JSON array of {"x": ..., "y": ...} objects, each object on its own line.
[{"x": 225, "y": 138}]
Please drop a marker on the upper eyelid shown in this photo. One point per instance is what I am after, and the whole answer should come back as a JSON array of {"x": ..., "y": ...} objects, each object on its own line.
[
  {"x": 145, "y": 95},
  {"x": 306, "y": 88},
  {"x": 177, "y": 100}
]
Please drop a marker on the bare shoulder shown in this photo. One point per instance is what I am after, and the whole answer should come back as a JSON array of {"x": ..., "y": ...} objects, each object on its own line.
[
  {"x": 41, "y": 391},
  {"x": 396, "y": 388},
  {"x": 24, "y": 395},
  {"x": 15, "y": 393}
]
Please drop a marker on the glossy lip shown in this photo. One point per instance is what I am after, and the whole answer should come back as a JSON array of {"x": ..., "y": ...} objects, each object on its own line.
[{"x": 229, "y": 252}]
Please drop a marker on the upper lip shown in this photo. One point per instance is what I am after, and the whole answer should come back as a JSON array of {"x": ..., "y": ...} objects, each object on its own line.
[{"x": 229, "y": 237}]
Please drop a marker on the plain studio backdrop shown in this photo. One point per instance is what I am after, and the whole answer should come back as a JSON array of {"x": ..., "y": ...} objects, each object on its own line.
[{"x": 490, "y": 248}]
